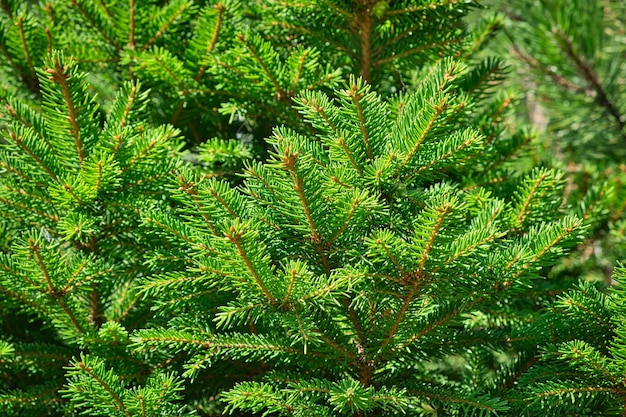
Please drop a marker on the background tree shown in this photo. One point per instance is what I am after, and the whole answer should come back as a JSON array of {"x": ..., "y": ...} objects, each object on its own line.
[{"x": 567, "y": 59}]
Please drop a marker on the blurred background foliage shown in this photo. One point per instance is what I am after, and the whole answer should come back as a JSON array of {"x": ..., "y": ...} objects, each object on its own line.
[{"x": 566, "y": 61}]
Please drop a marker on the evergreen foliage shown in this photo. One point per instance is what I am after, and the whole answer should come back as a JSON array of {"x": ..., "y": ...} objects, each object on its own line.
[
  {"x": 229, "y": 68},
  {"x": 350, "y": 272},
  {"x": 581, "y": 375},
  {"x": 568, "y": 59},
  {"x": 362, "y": 235},
  {"x": 70, "y": 196}
]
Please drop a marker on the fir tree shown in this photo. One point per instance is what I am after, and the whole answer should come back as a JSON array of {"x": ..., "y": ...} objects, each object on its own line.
[
  {"x": 358, "y": 271},
  {"x": 390, "y": 256}
]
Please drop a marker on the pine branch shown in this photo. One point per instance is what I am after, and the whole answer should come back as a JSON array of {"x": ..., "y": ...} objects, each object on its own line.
[
  {"x": 52, "y": 290},
  {"x": 220, "y": 16},
  {"x": 589, "y": 75},
  {"x": 289, "y": 160},
  {"x": 58, "y": 75},
  {"x": 94, "y": 24},
  {"x": 356, "y": 96},
  {"x": 234, "y": 236},
  {"x": 33, "y": 77},
  {"x": 183, "y": 7}
]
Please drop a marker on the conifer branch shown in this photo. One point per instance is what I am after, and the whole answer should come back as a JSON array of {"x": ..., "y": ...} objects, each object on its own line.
[
  {"x": 52, "y": 291},
  {"x": 170, "y": 229},
  {"x": 71, "y": 192},
  {"x": 195, "y": 91},
  {"x": 131, "y": 24},
  {"x": 519, "y": 371},
  {"x": 490, "y": 238},
  {"x": 12, "y": 271},
  {"x": 173, "y": 75},
  {"x": 344, "y": 225},
  {"x": 50, "y": 41},
  {"x": 218, "y": 24},
  {"x": 356, "y": 96},
  {"x": 93, "y": 23},
  {"x": 70, "y": 281},
  {"x": 565, "y": 391},
  {"x": 336, "y": 346},
  {"x": 130, "y": 101},
  {"x": 431, "y": 326},
  {"x": 223, "y": 203},
  {"x": 234, "y": 237},
  {"x": 289, "y": 161},
  {"x": 165, "y": 26},
  {"x": 399, "y": 317},
  {"x": 446, "y": 155},
  {"x": 30, "y": 196},
  {"x": 391, "y": 257},
  {"x": 566, "y": 232},
  {"x": 145, "y": 180},
  {"x": 296, "y": 78},
  {"x": 59, "y": 76},
  {"x": 332, "y": 6},
  {"x": 29, "y": 61},
  {"x": 71, "y": 285},
  {"x": 292, "y": 280},
  {"x": 24, "y": 300},
  {"x": 391, "y": 42},
  {"x": 206, "y": 344},
  {"x": 439, "y": 108},
  {"x": 146, "y": 150},
  {"x": 582, "y": 307},
  {"x": 281, "y": 93},
  {"x": 42, "y": 136},
  {"x": 365, "y": 33},
  {"x": 415, "y": 50},
  {"x": 524, "y": 211},
  {"x": 22, "y": 207},
  {"x": 106, "y": 10},
  {"x": 21, "y": 174},
  {"x": 593, "y": 362},
  {"x": 496, "y": 115},
  {"x": 586, "y": 70},
  {"x": 344, "y": 146},
  {"x": 187, "y": 297},
  {"x": 89, "y": 371},
  {"x": 430, "y": 5},
  {"x": 18, "y": 140},
  {"x": 550, "y": 72},
  {"x": 190, "y": 189},
  {"x": 96, "y": 317},
  {"x": 320, "y": 291},
  {"x": 314, "y": 105},
  {"x": 323, "y": 39},
  {"x": 443, "y": 212},
  {"x": 250, "y": 170},
  {"x": 495, "y": 70},
  {"x": 12, "y": 62}
]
